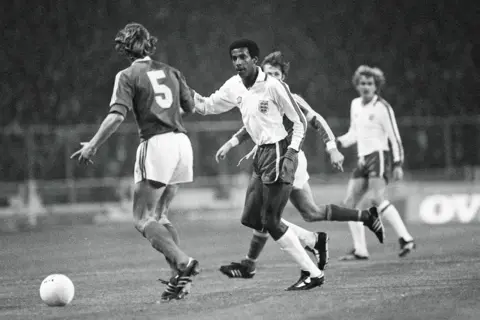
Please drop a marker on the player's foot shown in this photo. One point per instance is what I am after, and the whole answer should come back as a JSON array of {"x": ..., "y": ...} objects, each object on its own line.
[
  {"x": 185, "y": 278},
  {"x": 320, "y": 250},
  {"x": 352, "y": 255},
  {"x": 375, "y": 224},
  {"x": 169, "y": 292},
  {"x": 244, "y": 269},
  {"x": 406, "y": 247},
  {"x": 306, "y": 282}
]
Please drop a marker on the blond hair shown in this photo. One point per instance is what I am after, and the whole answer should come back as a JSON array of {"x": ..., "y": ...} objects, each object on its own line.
[{"x": 369, "y": 72}]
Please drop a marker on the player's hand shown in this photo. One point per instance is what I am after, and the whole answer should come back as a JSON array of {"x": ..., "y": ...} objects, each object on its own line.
[
  {"x": 85, "y": 153},
  {"x": 290, "y": 161},
  {"x": 222, "y": 152},
  {"x": 336, "y": 158},
  {"x": 397, "y": 173}
]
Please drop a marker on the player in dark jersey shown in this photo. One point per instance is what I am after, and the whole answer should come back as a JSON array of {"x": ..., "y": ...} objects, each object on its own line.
[{"x": 155, "y": 93}]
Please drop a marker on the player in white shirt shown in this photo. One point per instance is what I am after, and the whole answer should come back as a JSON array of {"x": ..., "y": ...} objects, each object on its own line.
[
  {"x": 263, "y": 102},
  {"x": 373, "y": 128},
  {"x": 301, "y": 196}
]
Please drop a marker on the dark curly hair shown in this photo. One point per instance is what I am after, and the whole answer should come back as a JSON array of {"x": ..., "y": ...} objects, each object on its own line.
[
  {"x": 277, "y": 59},
  {"x": 251, "y": 45},
  {"x": 135, "y": 42}
]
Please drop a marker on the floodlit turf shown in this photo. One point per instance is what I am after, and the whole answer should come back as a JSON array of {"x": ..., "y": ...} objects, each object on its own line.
[{"x": 115, "y": 270}]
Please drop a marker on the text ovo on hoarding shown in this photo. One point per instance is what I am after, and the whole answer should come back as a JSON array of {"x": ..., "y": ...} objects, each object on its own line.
[{"x": 442, "y": 208}]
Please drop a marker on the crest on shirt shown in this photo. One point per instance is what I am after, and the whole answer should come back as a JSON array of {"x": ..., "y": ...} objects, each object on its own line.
[
  {"x": 371, "y": 117},
  {"x": 239, "y": 100},
  {"x": 263, "y": 106}
]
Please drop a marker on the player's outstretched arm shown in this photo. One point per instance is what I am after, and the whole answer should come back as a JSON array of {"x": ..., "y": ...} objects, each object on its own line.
[
  {"x": 121, "y": 102},
  {"x": 218, "y": 102},
  {"x": 317, "y": 122},
  {"x": 187, "y": 103},
  {"x": 349, "y": 138},
  {"x": 107, "y": 128}
]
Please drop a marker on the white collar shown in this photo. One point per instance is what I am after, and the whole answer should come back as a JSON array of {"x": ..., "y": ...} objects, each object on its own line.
[
  {"x": 147, "y": 58},
  {"x": 372, "y": 102},
  {"x": 261, "y": 77}
]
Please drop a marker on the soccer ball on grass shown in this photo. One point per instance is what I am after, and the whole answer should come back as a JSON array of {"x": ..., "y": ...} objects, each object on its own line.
[{"x": 57, "y": 290}]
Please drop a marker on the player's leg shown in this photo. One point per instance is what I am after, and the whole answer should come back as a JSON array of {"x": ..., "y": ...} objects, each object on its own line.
[
  {"x": 246, "y": 268},
  {"x": 303, "y": 201},
  {"x": 161, "y": 215},
  {"x": 161, "y": 211},
  {"x": 277, "y": 178},
  {"x": 302, "y": 198},
  {"x": 144, "y": 201},
  {"x": 275, "y": 197},
  {"x": 356, "y": 189},
  {"x": 314, "y": 242},
  {"x": 154, "y": 169},
  {"x": 182, "y": 173},
  {"x": 390, "y": 213}
]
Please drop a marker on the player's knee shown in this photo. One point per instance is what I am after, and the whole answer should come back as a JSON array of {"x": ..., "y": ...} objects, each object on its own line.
[
  {"x": 307, "y": 213},
  {"x": 349, "y": 202},
  {"x": 275, "y": 228},
  {"x": 141, "y": 224},
  {"x": 376, "y": 198},
  {"x": 164, "y": 219}
]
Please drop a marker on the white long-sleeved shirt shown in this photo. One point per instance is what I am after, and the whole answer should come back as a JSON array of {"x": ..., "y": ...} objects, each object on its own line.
[
  {"x": 316, "y": 121},
  {"x": 262, "y": 107},
  {"x": 372, "y": 127}
]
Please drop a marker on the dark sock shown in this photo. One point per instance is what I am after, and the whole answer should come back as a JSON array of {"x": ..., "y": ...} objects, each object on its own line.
[
  {"x": 256, "y": 246},
  {"x": 160, "y": 239},
  {"x": 336, "y": 213}
]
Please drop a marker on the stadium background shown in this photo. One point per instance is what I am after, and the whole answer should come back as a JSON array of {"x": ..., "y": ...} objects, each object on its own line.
[{"x": 59, "y": 65}]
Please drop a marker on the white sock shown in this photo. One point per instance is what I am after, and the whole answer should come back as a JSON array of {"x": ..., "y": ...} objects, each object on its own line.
[
  {"x": 290, "y": 243},
  {"x": 390, "y": 213},
  {"x": 358, "y": 235},
  {"x": 307, "y": 238}
]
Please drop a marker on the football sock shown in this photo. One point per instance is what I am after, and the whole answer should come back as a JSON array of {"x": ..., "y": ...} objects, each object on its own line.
[
  {"x": 173, "y": 268},
  {"x": 290, "y": 243},
  {"x": 336, "y": 213},
  {"x": 257, "y": 244},
  {"x": 358, "y": 235},
  {"x": 391, "y": 214},
  {"x": 160, "y": 239},
  {"x": 307, "y": 238}
]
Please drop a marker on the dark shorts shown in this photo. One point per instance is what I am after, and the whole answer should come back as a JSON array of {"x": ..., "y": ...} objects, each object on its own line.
[
  {"x": 374, "y": 165},
  {"x": 269, "y": 187},
  {"x": 268, "y": 163}
]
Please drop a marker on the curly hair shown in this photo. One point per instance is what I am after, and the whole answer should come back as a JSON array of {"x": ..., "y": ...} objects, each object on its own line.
[
  {"x": 370, "y": 72},
  {"x": 277, "y": 59},
  {"x": 251, "y": 45},
  {"x": 135, "y": 42}
]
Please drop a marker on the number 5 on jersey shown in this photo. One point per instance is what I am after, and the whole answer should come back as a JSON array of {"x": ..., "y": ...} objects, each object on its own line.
[{"x": 163, "y": 94}]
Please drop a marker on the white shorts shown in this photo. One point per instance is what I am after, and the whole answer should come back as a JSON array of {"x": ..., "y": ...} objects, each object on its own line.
[
  {"x": 166, "y": 158},
  {"x": 301, "y": 175}
]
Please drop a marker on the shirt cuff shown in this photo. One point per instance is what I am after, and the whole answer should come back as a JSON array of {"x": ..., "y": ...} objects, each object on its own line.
[
  {"x": 292, "y": 147},
  {"x": 234, "y": 141},
  {"x": 118, "y": 108},
  {"x": 331, "y": 145}
]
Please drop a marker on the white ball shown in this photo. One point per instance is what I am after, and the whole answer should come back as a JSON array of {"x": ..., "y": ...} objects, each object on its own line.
[{"x": 57, "y": 290}]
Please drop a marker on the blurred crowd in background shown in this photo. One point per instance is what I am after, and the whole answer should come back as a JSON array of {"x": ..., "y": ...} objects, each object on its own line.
[{"x": 59, "y": 65}]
